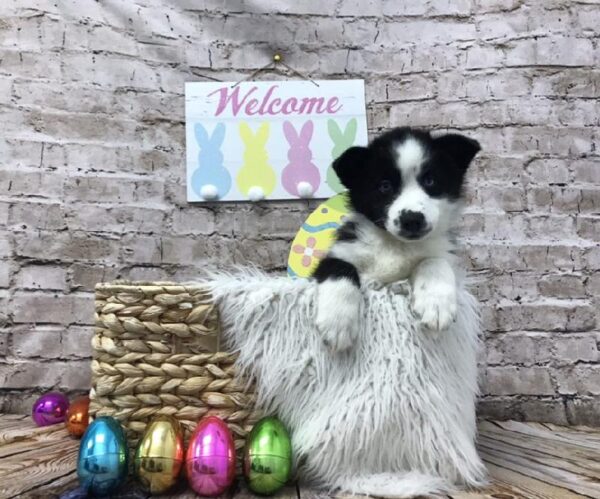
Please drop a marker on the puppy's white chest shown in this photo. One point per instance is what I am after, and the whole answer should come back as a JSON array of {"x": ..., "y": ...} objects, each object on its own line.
[{"x": 389, "y": 263}]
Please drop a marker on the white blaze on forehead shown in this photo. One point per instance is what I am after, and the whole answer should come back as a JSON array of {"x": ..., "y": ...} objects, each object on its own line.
[{"x": 410, "y": 155}]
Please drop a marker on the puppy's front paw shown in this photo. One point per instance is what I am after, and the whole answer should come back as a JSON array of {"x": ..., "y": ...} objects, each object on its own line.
[
  {"x": 338, "y": 314},
  {"x": 338, "y": 333},
  {"x": 435, "y": 305}
]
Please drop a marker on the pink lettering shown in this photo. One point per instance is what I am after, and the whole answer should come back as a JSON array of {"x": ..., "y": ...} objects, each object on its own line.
[
  {"x": 331, "y": 103},
  {"x": 252, "y": 103},
  {"x": 272, "y": 104},
  {"x": 261, "y": 110},
  {"x": 309, "y": 103},
  {"x": 225, "y": 98},
  {"x": 289, "y": 106}
]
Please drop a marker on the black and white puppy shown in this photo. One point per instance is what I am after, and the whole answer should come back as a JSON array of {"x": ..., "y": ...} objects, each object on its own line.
[{"x": 404, "y": 191}]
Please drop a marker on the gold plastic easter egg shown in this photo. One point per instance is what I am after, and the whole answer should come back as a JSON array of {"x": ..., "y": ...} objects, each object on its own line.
[{"x": 159, "y": 455}]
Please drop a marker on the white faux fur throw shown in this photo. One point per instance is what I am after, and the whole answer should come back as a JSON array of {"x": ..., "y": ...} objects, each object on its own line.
[{"x": 393, "y": 417}]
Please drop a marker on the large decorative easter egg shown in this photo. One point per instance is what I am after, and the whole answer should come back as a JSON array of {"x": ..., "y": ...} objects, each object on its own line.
[
  {"x": 268, "y": 457},
  {"x": 50, "y": 408},
  {"x": 316, "y": 236},
  {"x": 210, "y": 458},
  {"x": 102, "y": 461},
  {"x": 159, "y": 455},
  {"x": 78, "y": 416}
]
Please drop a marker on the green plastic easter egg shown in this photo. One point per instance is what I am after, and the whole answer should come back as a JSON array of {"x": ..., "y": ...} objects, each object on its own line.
[{"x": 268, "y": 457}]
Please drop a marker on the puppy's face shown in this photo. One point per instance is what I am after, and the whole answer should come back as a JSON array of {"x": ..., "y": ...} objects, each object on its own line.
[{"x": 406, "y": 181}]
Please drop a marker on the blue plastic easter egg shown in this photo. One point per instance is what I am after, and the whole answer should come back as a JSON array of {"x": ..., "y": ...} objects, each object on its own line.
[{"x": 103, "y": 454}]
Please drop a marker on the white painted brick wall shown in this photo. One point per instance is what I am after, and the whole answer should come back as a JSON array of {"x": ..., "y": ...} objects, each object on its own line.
[{"x": 92, "y": 166}]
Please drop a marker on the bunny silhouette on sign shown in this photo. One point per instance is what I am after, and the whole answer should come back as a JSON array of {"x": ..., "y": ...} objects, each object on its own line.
[
  {"x": 341, "y": 141},
  {"x": 300, "y": 177},
  {"x": 210, "y": 180},
  {"x": 256, "y": 179}
]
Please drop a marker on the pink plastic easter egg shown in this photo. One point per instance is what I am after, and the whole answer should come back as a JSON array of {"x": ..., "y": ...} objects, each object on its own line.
[
  {"x": 50, "y": 408},
  {"x": 210, "y": 458}
]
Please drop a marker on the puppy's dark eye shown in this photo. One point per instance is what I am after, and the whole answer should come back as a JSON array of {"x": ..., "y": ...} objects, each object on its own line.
[
  {"x": 385, "y": 186},
  {"x": 428, "y": 180}
]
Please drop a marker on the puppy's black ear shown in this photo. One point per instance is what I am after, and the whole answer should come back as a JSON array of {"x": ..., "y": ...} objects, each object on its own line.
[
  {"x": 349, "y": 165},
  {"x": 462, "y": 149}
]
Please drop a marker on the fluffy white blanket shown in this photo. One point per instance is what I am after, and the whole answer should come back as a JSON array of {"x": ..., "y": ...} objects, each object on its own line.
[{"x": 393, "y": 417}]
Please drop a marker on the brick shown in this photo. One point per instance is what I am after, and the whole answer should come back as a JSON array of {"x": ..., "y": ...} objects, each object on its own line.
[
  {"x": 85, "y": 276},
  {"x": 27, "y": 374},
  {"x": 547, "y": 410},
  {"x": 18, "y": 183},
  {"x": 5, "y": 269},
  {"x": 37, "y": 341},
  {"x": 115, "y": 158},
  {"x": 575, "y": 348},
  {"x": 95, "y": 218},
  {"x": 584, "y": 411},
  {"x": 517, "y": 286},
  {"x": 49, "y": 245},
  {"x": 108, "y": 39},
  {"x": 548, "y": 171},
  {"x": 297, "y": 7},
  {"x": 195, "y": 220},
  {"x": 141, "y": 249},
  {"x": 43, "y": 277},
  {"x": 588, "y": 19},
  {"x": 77, "y": 342},
  {"x": 361, "y": 8},
  {"x": 427, "y": 32},
  {"x": 519, "y": 380},
  {"x": 483, "y": 6},
  {"x": 454, "y": 8},
  {"x": 588, "y": 227},
  {"x": 147, "y": 274},
  {"x": 48, "y": 216},
  {"x": 76, "y": 375},
  {"x": 52, "y": 308},
  {"x": 572, "y": 83},
  {"x": 31, "y": 64},
  {"x": 477, "y": 57},
  {"x": 520, "y": 348},
  {"x": 568, "y": 316},
  {"x": 109, "y": 71},
  {"x": 589, "y": 200},
  {"x": 404, "y": 8},
  {"x": 5, "y": 244},
  {"x": 505, "y": 198},
  {"x": 555, "y": 51},
  {"x": 413, "y": 87},
  {"x": 582, "y": 380},
  {"x": 562, "y": 286},
  {"x": 4, "y": 209},
  {"x": 254, "y": 223},
  {"x": 113, "y": 189}
]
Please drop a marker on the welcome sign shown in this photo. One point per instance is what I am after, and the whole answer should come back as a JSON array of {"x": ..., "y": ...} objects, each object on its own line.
[{"x": 270, "y": 139}]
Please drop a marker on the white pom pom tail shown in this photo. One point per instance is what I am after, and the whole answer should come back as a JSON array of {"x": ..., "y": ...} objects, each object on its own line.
[
  {"x": 209, "y": 192},
  {"x": 256, "y": 193},
  {"x": 305, "y": 190}
]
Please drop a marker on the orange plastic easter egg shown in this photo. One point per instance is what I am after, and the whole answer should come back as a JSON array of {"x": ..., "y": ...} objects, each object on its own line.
[{"x": 78, "y": 416}]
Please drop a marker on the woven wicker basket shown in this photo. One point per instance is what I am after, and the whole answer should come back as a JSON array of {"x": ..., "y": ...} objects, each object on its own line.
[{"x": 156, "y": 351}]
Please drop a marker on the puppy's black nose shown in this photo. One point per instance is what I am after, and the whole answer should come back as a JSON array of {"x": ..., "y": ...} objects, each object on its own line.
[{"x": 412, "y": 223}]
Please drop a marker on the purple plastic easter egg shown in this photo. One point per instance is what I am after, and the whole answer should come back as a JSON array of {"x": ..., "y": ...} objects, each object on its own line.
[
  {"x": 50, "y": 408},
  {"x": 210, "y": 458}
]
